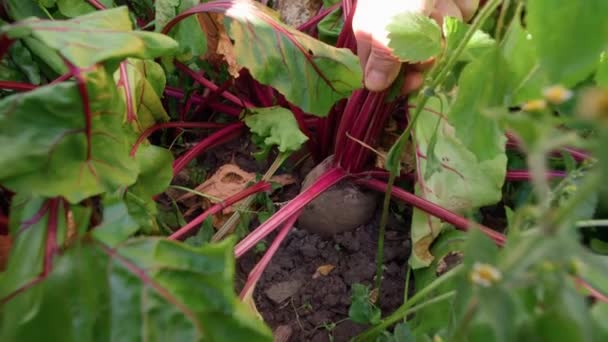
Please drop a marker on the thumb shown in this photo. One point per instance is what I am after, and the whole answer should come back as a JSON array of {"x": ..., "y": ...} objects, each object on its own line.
[{"x": 382, "y": 68}]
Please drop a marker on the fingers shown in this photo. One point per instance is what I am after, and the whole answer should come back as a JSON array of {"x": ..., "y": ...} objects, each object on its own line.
[
  {"x": 371, "y": 17},
  {"x": 446, "y": 8},
  {"x": 467, "y": 7},
  {"x": 381, "y": 69}
]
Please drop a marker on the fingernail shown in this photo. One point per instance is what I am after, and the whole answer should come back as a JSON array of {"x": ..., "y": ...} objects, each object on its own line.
[{"x": 376, "y": 80}]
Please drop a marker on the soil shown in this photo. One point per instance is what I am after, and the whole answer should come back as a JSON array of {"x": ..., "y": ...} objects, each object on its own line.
[{"x": 309, "y": 307}]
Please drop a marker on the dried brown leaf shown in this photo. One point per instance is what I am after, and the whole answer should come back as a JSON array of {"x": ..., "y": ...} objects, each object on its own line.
[
  {"x": 219, "y": 46},
  {"x": 323, "y": 270}
]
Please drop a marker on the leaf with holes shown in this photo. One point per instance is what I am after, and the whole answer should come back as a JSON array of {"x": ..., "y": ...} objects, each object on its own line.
[{"x": 49, "y": 145}]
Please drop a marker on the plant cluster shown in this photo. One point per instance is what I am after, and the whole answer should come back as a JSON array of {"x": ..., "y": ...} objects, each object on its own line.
[{"x": 95, "y": 93}]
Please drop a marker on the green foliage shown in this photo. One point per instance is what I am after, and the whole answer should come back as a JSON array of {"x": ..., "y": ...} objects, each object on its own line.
[
  {"x": 362, "y": 310},
  {"x": 277, "y": 55},
  {"x": 188, "y": 33},
  {"x": 568, "y": 47},
  {"x": 414, "y": 37},
  {"x": 278, "y": 127},
  {"x": 93, "y": 38},
  {"x": 146, "y": 288}
]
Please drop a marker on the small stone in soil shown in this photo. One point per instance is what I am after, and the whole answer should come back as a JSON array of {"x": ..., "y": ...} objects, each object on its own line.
[{"x": 279, "y": 292}]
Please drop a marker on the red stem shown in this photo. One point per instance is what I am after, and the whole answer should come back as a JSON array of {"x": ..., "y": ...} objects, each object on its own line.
[
  {"x": 194, "y": 225},
  {"x": 433, "y": 209},
  {"x": 5, "y": 44},
  {"x": 224, "y": 108},
  {"x": 592, "y": 291},
  {"x": 51, "y": 236},
  {"x": 207, "y": 83},
  {"x": 318, "y": 17},
  {"x": 164, "y": 125},
  {"x": 259, "y": 268},
  {"x": 86, "y": 106},
  {"x": 524, "y": 175},
  {"x": 149, "y": 282},
  {"x": 124, "y": 81},
  {"x": 223, "y": 135},
  {"x": 97, "y": 4},
  {"x": 323, "y": 183},
  {"x": 18, "y": 86}
]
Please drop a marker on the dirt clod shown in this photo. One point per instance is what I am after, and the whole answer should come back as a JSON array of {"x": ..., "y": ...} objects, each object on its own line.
[{"x": 318, "y": 310}]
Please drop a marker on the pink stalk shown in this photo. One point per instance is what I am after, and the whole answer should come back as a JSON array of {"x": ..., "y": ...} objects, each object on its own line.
[
  {"x": 578, "y": 155},
  {"x": 124, "y": 81},
  {"x": 3, "y": 224},
  {"x": 224, "y": 108},
  {"x": 207, "y": 83},
  {"x": 596, "y": 294},
  {"x": 315, "y": 20},
  {"x": 164, "y": 125},
  {"x": 222, "y": 136},
  {"x": 433, "y": 209},
  {"x": 18, "y": 86},
  {"x": 256, "y": 272},
  {"x": 86, "y": 105},
  {"x": 194, "y": 225},
  {"x": 62, "y": 78},
  {"x": 524, "y": 175},
  {"x": 97, "y": 4},
  {"x": 323, "y": 183},
  {"x": 51, "y": 236},
  {"x": 51, "y": 207}
]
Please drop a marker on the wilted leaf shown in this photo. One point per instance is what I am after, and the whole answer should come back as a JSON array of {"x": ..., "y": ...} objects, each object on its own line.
[
  {"x": 323, "y": 270},
  {"x": 228, "y": 180},
  {"x": 219, "y": 46}
]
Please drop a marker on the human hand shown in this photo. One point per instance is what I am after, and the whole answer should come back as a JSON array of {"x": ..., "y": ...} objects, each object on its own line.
[{"x": 371, "y": 17}]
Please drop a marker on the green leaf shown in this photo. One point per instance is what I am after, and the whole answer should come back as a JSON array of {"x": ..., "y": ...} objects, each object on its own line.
[
  {"x": 526, "y": 74},
  {"x": 156, "y": 173},
  {"x": 481, "y": 86},
  {"x": 150, "y": 289},
  {"x": 362, "y": 310},
  {"x": 45, "y": 148},
  {"x": 330, "y": 27},
  {"x": 22, "y": 58},
  {"x": 276, "y": 55},
  {"x": 93, "y": 38},
  {"x": 19, "y": 9},
  {"x": 146, "y": 80},
  {"x": 188, "y": 33},
  {"x": 117, "y": 225},
  {"x": 601, "y": 77},
  {"x": 278, "y": 126},
  {"x": 28, "y": 230},
  {"x": 568, "y": 46},
  {"x": 470, "y": 175},
  {"x": 414, "y": 37},
  {"x": 203, "y": 236},
  {"x": 455, "y": 30},
  {"x": 75, "y": 8},
  {"x": 599, "y": 312}
]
